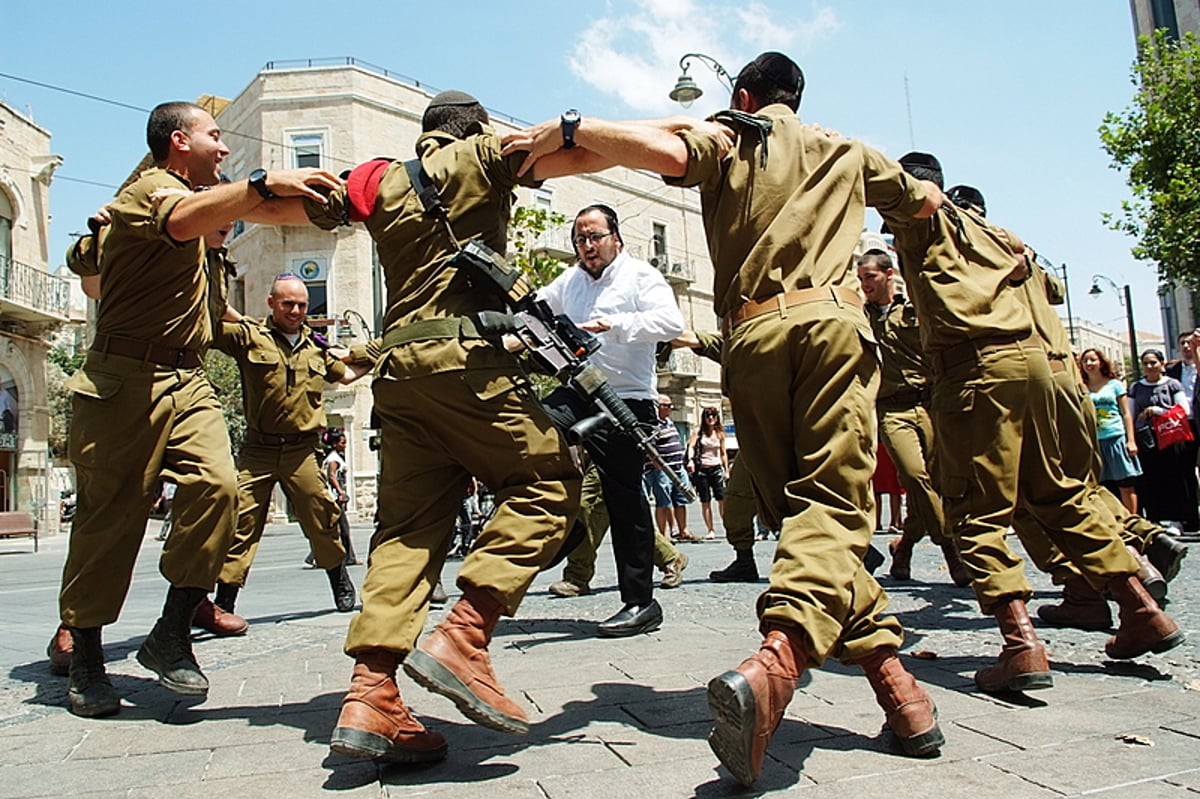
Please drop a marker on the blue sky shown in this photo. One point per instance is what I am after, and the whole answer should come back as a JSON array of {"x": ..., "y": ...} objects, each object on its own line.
[{"x": 1008, "y": 95}]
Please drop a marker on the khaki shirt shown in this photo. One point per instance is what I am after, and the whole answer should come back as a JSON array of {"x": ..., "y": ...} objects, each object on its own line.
[
  {"x": 83, "y": 256},
  {"x": 956, "y": 268},
  {"x": 282, "y": 384},
  {"x": 154, "y": 289},
  {"x": 794, "y": 224},
  {"x": 1038, "y": 293},
  {"x": 899, "y": 337},
  {"x": 476, "y": 185}
]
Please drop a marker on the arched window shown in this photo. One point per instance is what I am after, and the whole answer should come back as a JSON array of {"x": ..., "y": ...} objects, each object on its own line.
[
  {"x": 8, "y": 410},
  {"x": 6, "y": 225}
]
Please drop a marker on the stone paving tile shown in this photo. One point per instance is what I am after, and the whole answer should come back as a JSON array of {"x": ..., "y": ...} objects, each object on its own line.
[
  {"x": 1101, "y": 762},
  {"x": 1186, "y": 779},
  {"x": 350, "y": 780},
  {"x": 1063, "y": 722},
  {"x": 41, "y": 747},
  {"x": 76, "y": 776},
  {"x": 1162, "y": 789},
  {"x": 683, "y": 777},
  {"x": 961, "y": 778}
]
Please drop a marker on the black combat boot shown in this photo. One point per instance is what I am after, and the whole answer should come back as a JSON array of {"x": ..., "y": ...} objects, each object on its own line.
[
  {"x": 226, "y": 596},
  {"x": 88, "y": 687},
  {"x": 344, "y": 595},
  {"x": 167, "y": 650},
  {"x": 742, "y": 570}
]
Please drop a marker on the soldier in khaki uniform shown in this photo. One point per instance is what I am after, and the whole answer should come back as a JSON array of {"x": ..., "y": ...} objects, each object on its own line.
[
  {"x": 739, "y": 493},
  {"x": 994, "y": 418},
  {"x": 144, "y": 407},
  {"x": 1083, "y": 606},
  {"x": 783, "y": 211},
  {"x": 902, "y": 408},
  {"x": 284, "y": 372},
  {"x": 451, "y": 406}
]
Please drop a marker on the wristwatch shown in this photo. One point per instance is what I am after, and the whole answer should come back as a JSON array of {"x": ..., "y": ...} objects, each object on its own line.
[
  {"x": 570, "y": 121},
  {"x": 258, "y": 182}
]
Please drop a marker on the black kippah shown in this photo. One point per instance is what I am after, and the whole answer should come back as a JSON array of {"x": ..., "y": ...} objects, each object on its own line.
[
  {"x": 967, "y": 197},
  {"x": 922, "y": 166},
  {"x": 781, "y": 70},
  {"x": 452, "y": 97}
]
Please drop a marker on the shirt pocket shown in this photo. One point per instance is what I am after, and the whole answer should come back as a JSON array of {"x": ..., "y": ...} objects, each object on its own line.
[{"x": 314, "y": 376}]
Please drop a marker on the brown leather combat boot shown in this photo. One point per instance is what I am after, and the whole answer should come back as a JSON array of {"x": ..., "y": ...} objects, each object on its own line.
[
  {"x": 911, "y": 714},
  {"x": 375, "y": 723},
  {"x": 1022, "y": 665},
  {"x": 955, "y": 566},
  {"x": 747, "y": 703},
  {"x": 209, "y": 616},
  {"x": 59, "y": 650},
  {"x": 902, "y": 552},
  {"x": 1149, "y": 576},
  {"x": 1082, "y": 607},
  {"x": 1144, "y": 627},
  {"x": 453, "y": 661}
]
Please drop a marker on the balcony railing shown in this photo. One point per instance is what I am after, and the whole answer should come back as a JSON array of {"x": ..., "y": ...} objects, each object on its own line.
[
  {"x": 34, "y": 289},
  {"x": 675, "y": 271},
  {"x": 681, "y": 363},
  {"x": 556, "y": 243}
]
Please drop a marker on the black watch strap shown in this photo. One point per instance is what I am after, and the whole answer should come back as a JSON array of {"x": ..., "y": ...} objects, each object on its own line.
[{"x": 258, "y": 179}]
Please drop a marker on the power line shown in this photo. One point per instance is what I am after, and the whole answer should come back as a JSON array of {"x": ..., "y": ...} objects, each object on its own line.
[
  {"x": 59, "y": 176},
  {"x": 65, "y": 90}
]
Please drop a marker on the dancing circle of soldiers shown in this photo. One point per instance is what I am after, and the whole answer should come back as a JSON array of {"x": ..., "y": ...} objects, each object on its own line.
[{"x": 815, "y": 335}]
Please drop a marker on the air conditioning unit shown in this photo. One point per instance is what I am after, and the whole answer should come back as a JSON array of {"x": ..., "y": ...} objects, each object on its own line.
[
  {"x": 656, "y": 262},
  {"x": 678, "y": 268}
]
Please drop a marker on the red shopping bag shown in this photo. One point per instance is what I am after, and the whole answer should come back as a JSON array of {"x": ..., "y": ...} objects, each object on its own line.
[{"x": 1172, "y": 427}]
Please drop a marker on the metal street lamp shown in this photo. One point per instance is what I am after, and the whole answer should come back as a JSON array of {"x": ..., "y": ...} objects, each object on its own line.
[
  {"x": 1061, "y": 272},
  {"x": 686, "y": 91},
  {"x": 1126, "y": 300}
]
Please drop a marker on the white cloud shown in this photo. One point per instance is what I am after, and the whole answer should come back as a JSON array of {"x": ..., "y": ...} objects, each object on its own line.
[{"x": 634, "y": 56}]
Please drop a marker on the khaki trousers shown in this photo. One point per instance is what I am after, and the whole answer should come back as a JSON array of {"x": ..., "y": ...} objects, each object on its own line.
[
  {"x": 739, "y": 507},
  {"x": 802, "y": 383},
  {"x": 1080, "y": 459},
  {"x": 908, "y": 435},
  {"x": 437, "y": 431},
  {"x": 131, "y": 423},
  {"x": 996, "y": 426},
  {"x": 296, "y": 467}
]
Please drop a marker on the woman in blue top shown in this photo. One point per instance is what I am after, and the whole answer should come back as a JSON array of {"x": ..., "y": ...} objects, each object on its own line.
[{"x": 1114, "y": 428}]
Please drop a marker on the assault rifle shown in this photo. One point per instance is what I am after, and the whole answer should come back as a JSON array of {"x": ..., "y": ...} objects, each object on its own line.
[{"x": 560, "y": 348}]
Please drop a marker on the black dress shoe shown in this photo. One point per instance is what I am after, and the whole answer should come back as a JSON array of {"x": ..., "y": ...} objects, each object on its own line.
[{"x": 632, "y": 620}]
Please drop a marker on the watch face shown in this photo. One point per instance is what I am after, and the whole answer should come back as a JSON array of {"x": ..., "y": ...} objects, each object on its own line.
[
  {"x": 571, "y": 116},
  {"x": 258, "y": 175}
]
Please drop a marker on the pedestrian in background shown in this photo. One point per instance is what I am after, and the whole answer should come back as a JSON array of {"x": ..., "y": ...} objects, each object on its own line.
[
  {"x": 708, "y": 465},
  {"x": 1114, "y": 428}
]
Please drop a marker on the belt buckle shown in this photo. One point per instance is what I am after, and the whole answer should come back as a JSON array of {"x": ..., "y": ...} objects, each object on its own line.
[
  {"x": 282, "y": 440},
  {"x": 180, "y": 355}
]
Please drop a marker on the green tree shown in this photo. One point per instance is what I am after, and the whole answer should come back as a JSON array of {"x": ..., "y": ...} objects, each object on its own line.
[
  {"x": 59, "y": 366},
  {"x": 1156, "y": 142},
  {"x": 227, "y": 382},
  {"x": 526, "y": 227}
]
